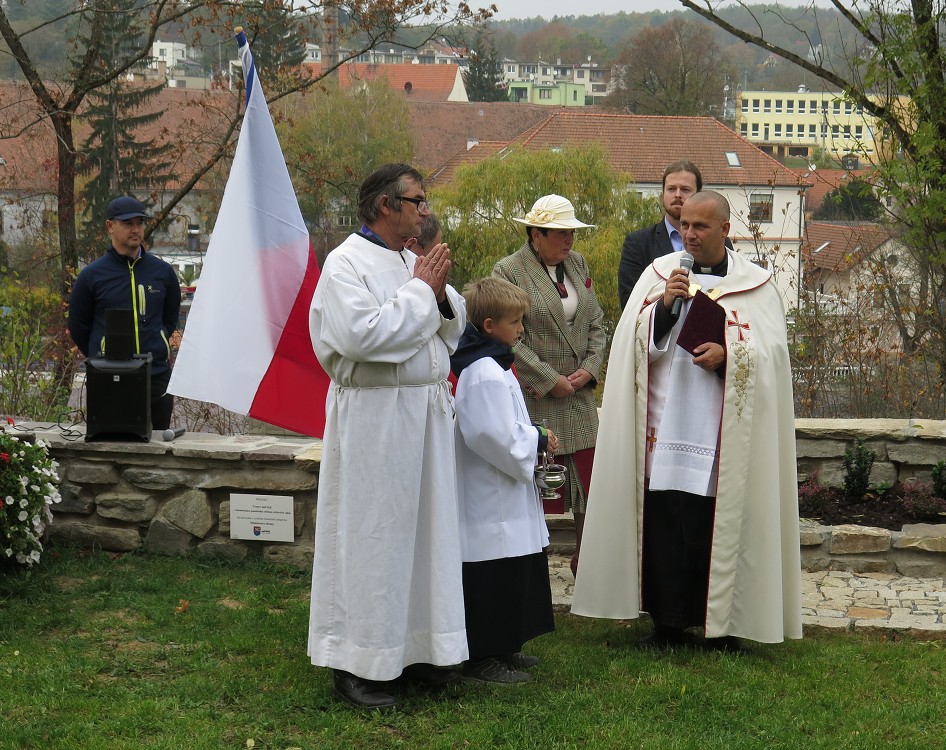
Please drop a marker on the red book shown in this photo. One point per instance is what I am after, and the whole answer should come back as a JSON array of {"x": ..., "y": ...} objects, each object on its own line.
[{"x": 705, "y": 321}]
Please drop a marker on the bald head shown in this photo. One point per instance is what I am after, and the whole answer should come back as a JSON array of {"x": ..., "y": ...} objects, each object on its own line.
[
  {"x": 719, "y": 202},
  {"x": 704, "y": 224}
]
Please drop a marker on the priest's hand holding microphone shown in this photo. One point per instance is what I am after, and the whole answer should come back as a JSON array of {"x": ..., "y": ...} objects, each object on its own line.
[
  {"x": 678, "y": 285},
  {"x": 709, "y": 356}
]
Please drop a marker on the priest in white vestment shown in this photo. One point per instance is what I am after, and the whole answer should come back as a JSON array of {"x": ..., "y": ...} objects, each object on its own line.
[
  {"x": 693, "y": 509},
  {"x": 387, "y": 593}
]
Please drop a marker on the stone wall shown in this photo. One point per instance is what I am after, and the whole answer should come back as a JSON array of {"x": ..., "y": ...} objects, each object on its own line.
[{"x": 173, "y": 497}]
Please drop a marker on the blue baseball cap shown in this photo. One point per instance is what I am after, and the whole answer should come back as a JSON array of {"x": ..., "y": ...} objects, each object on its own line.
[{"x": 125, "y": 207}]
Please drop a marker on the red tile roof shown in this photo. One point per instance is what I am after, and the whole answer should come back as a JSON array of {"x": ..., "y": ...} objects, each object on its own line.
[
  {"x": 837, "y": 246},
  {"x": 642, "y": 146},
  {"x": 424, "y": 82},
  {"x": 444, "y": 129}
]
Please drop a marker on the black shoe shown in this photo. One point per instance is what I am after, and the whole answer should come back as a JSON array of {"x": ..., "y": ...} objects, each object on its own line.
[
  {"x": 520, "y": 660},
  {"x": 429, "y": 675},
  {"x": 493, "y": 669},
  {"x": 728, "y": 644},
  {"x": 665, "y": 637},
  {"x": 363, "y": 693}
]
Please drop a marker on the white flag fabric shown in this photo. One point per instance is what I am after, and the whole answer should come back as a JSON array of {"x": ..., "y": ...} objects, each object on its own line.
[{"x": 246, "y": 345}]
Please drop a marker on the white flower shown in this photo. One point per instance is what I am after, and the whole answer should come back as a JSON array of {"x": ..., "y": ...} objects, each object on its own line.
[
  {"x": 34, "y": 555},
  {"x": 8, "y": 552},
  {"x": 24, "y": 502},
  {"x": 22, "y": 515}
]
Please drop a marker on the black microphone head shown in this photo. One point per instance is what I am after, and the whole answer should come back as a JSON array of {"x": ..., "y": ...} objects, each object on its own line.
[{"x": 686, "y": 261}]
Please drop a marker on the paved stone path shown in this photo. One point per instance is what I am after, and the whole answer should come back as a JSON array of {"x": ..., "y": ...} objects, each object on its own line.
[{"x": 836, "y": 599}]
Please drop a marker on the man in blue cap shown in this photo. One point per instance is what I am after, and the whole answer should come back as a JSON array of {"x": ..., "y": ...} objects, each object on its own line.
[{"x": 129, "y": 277}]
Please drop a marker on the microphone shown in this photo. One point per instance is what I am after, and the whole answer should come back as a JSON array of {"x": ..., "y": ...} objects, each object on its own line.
[
  {"x": 170, "y": 434},
  {"x": 686, "y": 263}
]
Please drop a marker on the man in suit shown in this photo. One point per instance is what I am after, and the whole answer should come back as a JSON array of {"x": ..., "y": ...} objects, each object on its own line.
[{"x": 680, "y": 180}]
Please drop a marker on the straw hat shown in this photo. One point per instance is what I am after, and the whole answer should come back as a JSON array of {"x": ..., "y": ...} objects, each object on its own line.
[{"x": 553, "y": 212}]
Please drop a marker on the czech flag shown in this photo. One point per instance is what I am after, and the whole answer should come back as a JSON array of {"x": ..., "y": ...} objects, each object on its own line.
[{"x": 246, "y": 346}]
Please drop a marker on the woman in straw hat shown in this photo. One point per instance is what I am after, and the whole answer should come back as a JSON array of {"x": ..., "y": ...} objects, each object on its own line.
[{"x": 563, "y": 344}]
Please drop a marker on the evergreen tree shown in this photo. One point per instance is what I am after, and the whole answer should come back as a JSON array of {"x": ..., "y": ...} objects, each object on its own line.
[
  {"x": 484, "y": 75},
  {"x": 116, "y": 158},
  {"x": 276, "y": 36},
  {"x": 852, "y": 201}
]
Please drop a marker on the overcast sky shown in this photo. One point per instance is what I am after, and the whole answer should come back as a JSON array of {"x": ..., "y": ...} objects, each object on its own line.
[{"x": 550, "y": 8}]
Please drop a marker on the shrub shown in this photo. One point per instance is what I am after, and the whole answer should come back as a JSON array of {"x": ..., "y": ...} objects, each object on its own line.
[
  {"x": 920, "y": 502},
  {"x": 939, "y": 479},
  {"x": 813, "y": 498},
  {"x": 28, "y": 481},
  {"x": 858, "y": 461}
]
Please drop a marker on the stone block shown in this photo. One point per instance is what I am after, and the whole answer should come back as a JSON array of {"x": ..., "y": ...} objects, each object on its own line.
[
  {"x": 132, "y": 507},
  {"x": 831, "y": 473},
  {"x": 164, "y": 538},
  {"x": 851, "y": 539},
  {"x": 294, "y": 555},
  {"x": 219, "y": 548},
  {"x": 310, "y": 458},
  {"x": 917, "y": 453},
  {"x": 75, "y": 499},
  {"x": 812, "y": 534},
  {"x": 928, "y": 537},
  {"x": 191, "y": 512},
  {"x": 931, "y": 567},
  {"x": 862, "y": 565},
  {"x": 883, "y": 473},
  {"x": 819, "y": 448},
  {"x": 224, "y": 525},
  {"x": 158, "y": 478},
  {"x": 85, "y": 473},
  {"x": 266, "y": 482},
  {"x": 92, "y": 535}
]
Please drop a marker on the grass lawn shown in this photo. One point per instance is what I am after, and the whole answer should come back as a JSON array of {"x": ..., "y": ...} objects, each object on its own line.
[{"x": 108, "y": 652}]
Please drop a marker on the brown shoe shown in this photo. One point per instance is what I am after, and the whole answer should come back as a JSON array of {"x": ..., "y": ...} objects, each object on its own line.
[{"x": 363, "y": 693}]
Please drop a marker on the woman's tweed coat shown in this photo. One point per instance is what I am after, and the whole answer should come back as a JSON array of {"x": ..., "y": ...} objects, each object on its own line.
[{"x": 550, "y": 347}]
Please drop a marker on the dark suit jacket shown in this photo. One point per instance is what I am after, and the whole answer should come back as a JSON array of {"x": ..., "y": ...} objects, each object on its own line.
[{"x": 640, "y": 249}]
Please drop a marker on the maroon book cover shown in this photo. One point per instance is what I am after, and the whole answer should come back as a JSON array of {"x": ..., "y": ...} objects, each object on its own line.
[{"x": 705, "y": 321}]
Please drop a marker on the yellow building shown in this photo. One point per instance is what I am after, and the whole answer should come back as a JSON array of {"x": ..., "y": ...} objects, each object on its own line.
[{"x": 796, "y": 123}]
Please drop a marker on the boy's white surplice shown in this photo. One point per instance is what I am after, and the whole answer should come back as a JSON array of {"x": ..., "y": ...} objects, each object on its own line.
[
  {"x": 386, "y": 580},
  {"x": 501, "y": 513}
]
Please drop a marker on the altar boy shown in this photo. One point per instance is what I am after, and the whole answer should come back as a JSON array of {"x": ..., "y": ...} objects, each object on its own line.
[{"x": 507, "y": 596}]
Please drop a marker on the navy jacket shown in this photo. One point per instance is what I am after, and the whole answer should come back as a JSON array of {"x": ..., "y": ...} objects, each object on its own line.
[
  {"x": 640, "y": 249},
  {"x": 147, "y": 285}
]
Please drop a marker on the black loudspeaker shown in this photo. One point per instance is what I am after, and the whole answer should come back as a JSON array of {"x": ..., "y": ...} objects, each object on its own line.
[
  {"x": 119, "y": 334},
  {"x": 118, "y": 399}
]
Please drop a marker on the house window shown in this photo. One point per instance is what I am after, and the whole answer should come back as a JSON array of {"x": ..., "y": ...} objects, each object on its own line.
[
  {"x": 789, "y": 130},
  {"x": 767, "y": 105},
  {"x": 545, "y": 94},
  {"x": 345, "y": 221},
  {"x": 755, "y": 130},
  {"x": 835, "y": 131},
  {"x": 778, "y": 130},
  {"x": 858, "y": 131},
  {"x": 836, "y": 109},
  {"x": 847, "y": 108},
  {"x": 574, "y": 96},
  {"x": 755, "y": 105},
  {"x": 811, "y": 131},
  {"x": 778, "y": 106},
  {"x": 760, "y": 207},
  {"x": 743, "y": 130},
  {"x": 847, "y": 131},
  {"x": 579, "y": 74},
  {"x": 546, "y": 71},
  {"x": 789, "y": 106},
  {"x": 745, "y": 105}
]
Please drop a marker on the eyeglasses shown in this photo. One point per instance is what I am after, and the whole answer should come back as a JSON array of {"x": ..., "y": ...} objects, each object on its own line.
[{"x": 421, "y": 203}]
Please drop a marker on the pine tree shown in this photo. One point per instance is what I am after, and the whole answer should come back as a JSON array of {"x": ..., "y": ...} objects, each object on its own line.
[
  {"x": 483, "y": 78},
  {"x": 116, "y": 158}
]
